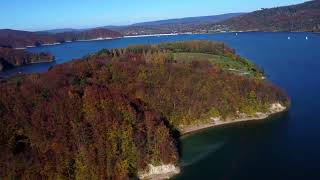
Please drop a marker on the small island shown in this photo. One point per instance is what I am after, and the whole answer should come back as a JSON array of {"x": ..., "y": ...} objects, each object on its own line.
[
  {"x": 10, "y": 58},
  {"x": 120, "y": 113}
]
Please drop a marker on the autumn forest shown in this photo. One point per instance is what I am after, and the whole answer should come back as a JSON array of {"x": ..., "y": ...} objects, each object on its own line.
[{"x": 110, "y": 114}]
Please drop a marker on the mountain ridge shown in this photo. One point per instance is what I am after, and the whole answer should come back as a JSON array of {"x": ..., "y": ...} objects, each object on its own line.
[
  {"x": 299, "y": 17},
  {"x": 158, "y": 25},
  {"x": 188, "y": 20}
]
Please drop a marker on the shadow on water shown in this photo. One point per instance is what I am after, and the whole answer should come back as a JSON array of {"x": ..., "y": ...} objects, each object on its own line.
[{"x": 218, "y": 153}]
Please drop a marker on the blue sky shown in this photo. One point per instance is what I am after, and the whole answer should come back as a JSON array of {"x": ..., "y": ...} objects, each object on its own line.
[{"x": 51, "y": 14}]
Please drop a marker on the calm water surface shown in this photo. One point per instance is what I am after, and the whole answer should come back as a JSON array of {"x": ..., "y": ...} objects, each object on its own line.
[{"x": 283, "y": 147}]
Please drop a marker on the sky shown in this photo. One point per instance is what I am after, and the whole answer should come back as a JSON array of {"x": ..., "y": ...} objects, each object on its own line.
[{"x": 55, "y": 14}]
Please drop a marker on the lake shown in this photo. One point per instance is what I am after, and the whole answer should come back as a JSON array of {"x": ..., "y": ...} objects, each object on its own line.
[{"x": 283, "y": 147}]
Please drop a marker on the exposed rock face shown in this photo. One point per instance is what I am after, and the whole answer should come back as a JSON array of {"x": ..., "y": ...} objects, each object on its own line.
[
  {"x": 277, "y": 107},
  {"x": 159, "y": 172}
]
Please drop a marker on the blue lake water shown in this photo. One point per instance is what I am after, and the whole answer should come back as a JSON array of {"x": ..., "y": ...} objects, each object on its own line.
[{"x": 282, "y": 147}]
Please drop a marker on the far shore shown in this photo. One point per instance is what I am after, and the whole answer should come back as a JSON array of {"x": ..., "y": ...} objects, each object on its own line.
[
  {"x": 152, "y": 35},
  {"x": 41, "y": 61},
  {"x": 148, "y": 35}
]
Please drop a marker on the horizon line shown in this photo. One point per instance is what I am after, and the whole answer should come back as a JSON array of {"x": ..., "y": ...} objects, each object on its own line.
[{"x": 120, "y": 25}]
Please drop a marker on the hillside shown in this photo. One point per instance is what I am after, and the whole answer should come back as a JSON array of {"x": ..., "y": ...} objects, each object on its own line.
[
  {"x": 188, "y": 24},
  {"x": 55, "y": 31},
  {"x": 181, "y": 25},
  {"x": 12, "y": 58},
  {"x": 98, "y": 33},
  {"x": 21, "y": 39},
  {"x": 191, "y": 20},
  {"x": 113, "y": 114},
  {"x": 300, "y": 17}
]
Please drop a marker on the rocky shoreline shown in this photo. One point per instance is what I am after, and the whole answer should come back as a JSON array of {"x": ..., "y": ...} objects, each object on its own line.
[
  {"x": 164, "y": 171},
  {"x": 216, "y": 121}
]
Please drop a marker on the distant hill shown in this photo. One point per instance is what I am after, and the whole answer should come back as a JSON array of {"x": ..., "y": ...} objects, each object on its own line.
[
  {"x": 86, "y": 35},
  {"x": 191, "y": 20},
  {"x": 19, "y": 39},
  {"x": 55, "y": 31},
  {"x": 189, "y": 24},
  {"x": 300, "y": 17}
]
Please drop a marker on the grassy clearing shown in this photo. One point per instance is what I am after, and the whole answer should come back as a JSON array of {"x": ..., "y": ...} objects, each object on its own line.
[{"x": 226, "y": 63}]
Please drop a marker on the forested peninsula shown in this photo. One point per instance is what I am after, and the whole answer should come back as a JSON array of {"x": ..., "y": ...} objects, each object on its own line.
[
  {"x": 10, "y": 58},
  {"x": 119, "y": 114}
]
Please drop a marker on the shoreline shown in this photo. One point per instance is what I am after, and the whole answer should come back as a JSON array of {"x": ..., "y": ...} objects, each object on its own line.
[
  {"x": 274, "y": 109},
  {"x": 152, "y": 35},
  {"x": 40, "y": 62},
  {"x": 216, "y": 122},
  {"x": 163, "y": 171},
  {"x": 59, "y": 43},
  {"x": 96, "y": 39},
  {"x": 197, "y": 128}
]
